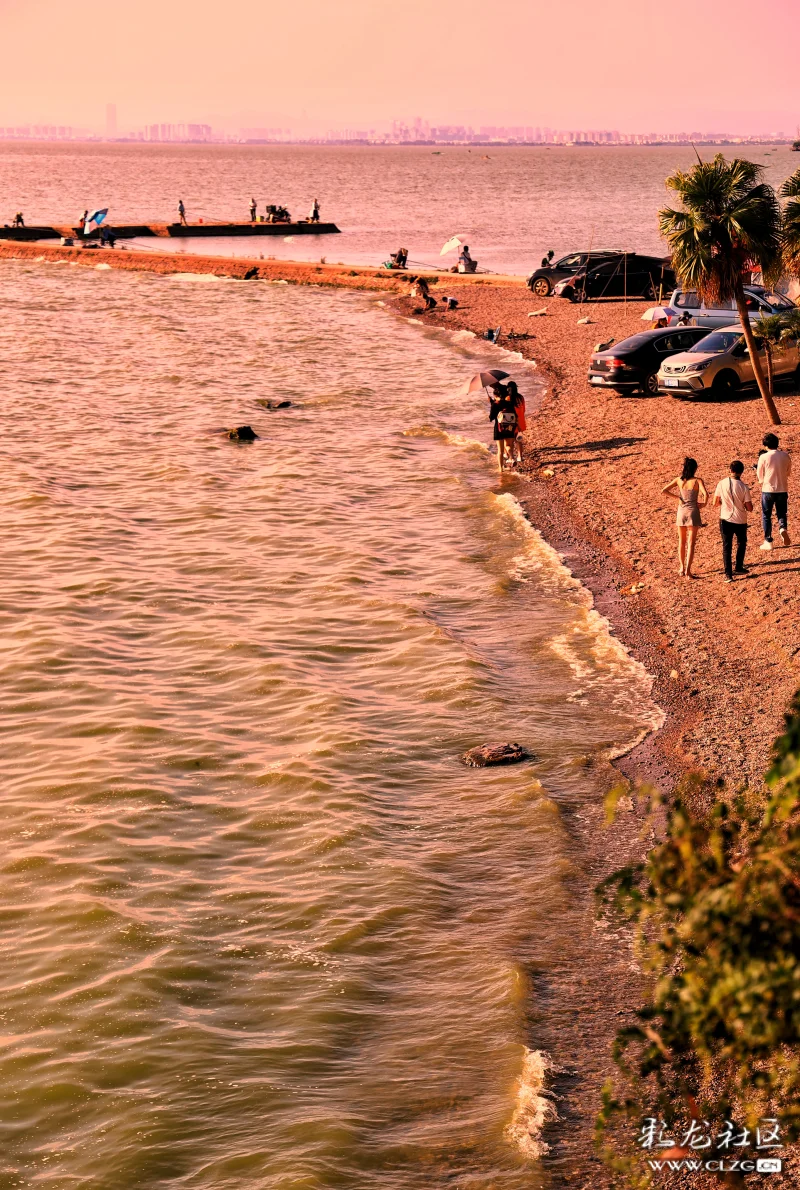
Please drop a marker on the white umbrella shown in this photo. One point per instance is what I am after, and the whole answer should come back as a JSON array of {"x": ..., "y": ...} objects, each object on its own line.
[
  {"x": 450, "y": 246},
  {"x": 656, "y": 313}
]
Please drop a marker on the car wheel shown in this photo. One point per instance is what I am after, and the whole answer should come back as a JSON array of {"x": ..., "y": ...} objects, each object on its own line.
[
  {"x": 649, "y": 293},
  {"x": 650, "y": 385},
  {"x": 725, "y": 384},
  {"x": 570, "y": 294},
  {"x": 541, "y": 287}
]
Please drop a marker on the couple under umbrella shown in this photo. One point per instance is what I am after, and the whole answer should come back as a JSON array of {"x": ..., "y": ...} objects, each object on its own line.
[{"x": 506, "y": 410}]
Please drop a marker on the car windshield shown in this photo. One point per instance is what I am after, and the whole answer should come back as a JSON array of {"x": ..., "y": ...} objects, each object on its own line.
[
  {"x": 717, "y": 343},
  {"x": 777, "y": 301}
]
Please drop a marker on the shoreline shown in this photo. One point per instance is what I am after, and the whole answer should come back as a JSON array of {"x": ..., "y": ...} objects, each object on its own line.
[{"x": 734, "y": 650}]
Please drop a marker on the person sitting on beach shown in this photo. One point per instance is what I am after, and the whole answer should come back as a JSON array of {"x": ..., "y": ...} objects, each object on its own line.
[
  {"x": 465, "y": 262},
  {"x": 692, "y": 496},
  {"x": 503, "y": 412},
  {"x": 519, "y": 405},
  {"x": 773, "y": 470},
  {"x": 399, "y": 258},
  {"x": 253, "y": 210}
]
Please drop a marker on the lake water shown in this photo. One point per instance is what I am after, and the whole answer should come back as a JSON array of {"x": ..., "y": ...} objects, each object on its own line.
[
  {"x": 511, "y": 204},
  {"x": 262, "y": 927}
]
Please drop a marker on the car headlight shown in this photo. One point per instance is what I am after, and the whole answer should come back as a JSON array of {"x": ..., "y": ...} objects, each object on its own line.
[{"x": 700, "y": 366}]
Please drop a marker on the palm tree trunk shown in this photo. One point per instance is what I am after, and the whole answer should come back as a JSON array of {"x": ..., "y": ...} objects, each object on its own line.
[
  {"x": 766, "y": 395},
  {"x": 770, "y": 379}
]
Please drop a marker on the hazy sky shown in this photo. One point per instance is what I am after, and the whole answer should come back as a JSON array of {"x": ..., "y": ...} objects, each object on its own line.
[{"x": 633, "y": 65}]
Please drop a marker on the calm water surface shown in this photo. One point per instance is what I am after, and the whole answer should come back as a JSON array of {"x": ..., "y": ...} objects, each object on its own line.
[
  {"x": 512, "y": 204},
  {"x": 261, "y": 928}
]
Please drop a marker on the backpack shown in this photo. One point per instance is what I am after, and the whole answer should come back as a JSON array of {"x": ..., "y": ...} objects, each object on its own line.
[{"x": 507, "y": 420}]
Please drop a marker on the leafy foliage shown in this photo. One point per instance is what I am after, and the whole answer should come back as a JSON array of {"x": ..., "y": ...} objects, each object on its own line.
[
  {"x": 791, "y": 223},
  {"x": 716, "y": 907},
  {"x": 730, "y": 220}
]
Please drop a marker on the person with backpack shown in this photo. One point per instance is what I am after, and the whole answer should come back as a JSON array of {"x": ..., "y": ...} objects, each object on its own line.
[
  {"x": 503, "y": 412},
  {"x": 519, "y": 405},
  {"x": 732, "y": 497}
]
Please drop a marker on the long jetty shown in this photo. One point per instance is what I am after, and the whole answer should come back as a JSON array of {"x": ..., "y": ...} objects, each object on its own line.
[
  {"x": 177, "y": 231},
  {"x": 143, "y": 260}
]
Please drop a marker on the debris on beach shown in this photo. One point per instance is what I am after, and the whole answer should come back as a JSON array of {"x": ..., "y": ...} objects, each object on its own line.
[
  {"x": 548, "y": 471},
  {"x": 604, "y": 346},
  {"x": 584, "y": 321},
  {"x": 537, "y": 313},
  {"x": 487, "y": 754}
]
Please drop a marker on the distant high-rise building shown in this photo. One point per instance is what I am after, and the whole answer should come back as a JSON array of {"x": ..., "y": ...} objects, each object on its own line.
[{"x": 111, "y": 121}]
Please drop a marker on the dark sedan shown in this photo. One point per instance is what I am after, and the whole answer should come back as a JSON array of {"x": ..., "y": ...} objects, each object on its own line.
[
  {"x": 543, "y": 281},
  {"x": 628, "y": 275},
  {"x": 633, "y": 364}
]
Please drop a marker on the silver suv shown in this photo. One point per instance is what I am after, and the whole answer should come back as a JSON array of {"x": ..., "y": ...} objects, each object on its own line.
[
  {"x": 714, "y": 315},
  {"x": 720, "y": 363}
]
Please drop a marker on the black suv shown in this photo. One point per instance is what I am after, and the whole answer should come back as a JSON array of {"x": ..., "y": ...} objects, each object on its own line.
[
  {"x": 626, "y": 275},
  {"x": 634, "y": 363},
  {"x": 543, "y": 281}
]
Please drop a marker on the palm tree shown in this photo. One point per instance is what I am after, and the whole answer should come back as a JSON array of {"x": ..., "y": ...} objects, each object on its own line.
[
  {"x": 730, "y": 220},
  {"x": 791, "y": 223},
  {"x": 769, "y": 333}
]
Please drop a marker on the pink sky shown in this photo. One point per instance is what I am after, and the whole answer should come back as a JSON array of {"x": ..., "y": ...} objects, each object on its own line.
[{"x": 632, "y": 65}]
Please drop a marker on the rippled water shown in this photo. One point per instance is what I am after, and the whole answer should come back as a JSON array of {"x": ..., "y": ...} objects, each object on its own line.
[
  {"x": 261, "y": 927},
  {"x": 512, "y": 204}
]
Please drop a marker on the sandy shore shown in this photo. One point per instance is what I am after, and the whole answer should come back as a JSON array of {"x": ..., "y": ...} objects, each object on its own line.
[{"x": 726, "y": 657}]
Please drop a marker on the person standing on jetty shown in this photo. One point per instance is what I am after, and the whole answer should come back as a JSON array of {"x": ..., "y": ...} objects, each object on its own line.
[
  {"x": 313, "y": 214},
  {"x": 181, "y": 212},
  {"x": 773, "y": 470},
  {"x": 692, "y": 496},
  {"x": 732, "y": 497},
  {"x": 253, "y": 210}
]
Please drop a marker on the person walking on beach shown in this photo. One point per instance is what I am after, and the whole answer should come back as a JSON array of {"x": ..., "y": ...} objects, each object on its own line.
[
  {"x": 181, "y": 212},
  {"x": 503, "y": 412},
  {"x": 732, "y": 497},
  {"x": 518, "y": 400},
  {"x": 773, "y": 470},
  {"x": 253, "y": 210},
  {"x": 692, "y": 496}
]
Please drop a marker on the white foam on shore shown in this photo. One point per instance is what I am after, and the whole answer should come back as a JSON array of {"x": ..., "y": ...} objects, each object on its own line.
[
  {"x": 532, "y": 1107},
  {"x": 598, "y": 659},
  {"x": 195, "y": 277}
]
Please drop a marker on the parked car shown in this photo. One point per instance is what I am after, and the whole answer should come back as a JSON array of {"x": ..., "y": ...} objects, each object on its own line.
[
  {"x": 721, "y": 364},
  {"x": 633, "y": 364},
  {"x": 760, "y": 301},
  {"x": 543, "y": 281},
  {"x": 627, "y": 275}
]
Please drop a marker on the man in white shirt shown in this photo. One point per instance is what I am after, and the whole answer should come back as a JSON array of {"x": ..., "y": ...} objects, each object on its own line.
[
  {"x": 732, "y": 497},
  {"x": 773, "y": 470}
]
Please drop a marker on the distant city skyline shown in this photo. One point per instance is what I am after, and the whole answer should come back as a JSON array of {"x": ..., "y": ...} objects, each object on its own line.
[{"x": 358, "y": 65}]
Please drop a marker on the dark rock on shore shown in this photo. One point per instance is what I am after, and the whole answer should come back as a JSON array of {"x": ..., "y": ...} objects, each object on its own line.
[
  {"x": 486, "y": 754},
  {"x": 243, "y": 434}
]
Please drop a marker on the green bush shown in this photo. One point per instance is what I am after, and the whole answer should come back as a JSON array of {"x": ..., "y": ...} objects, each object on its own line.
[{"x": 716, "y": 908}]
